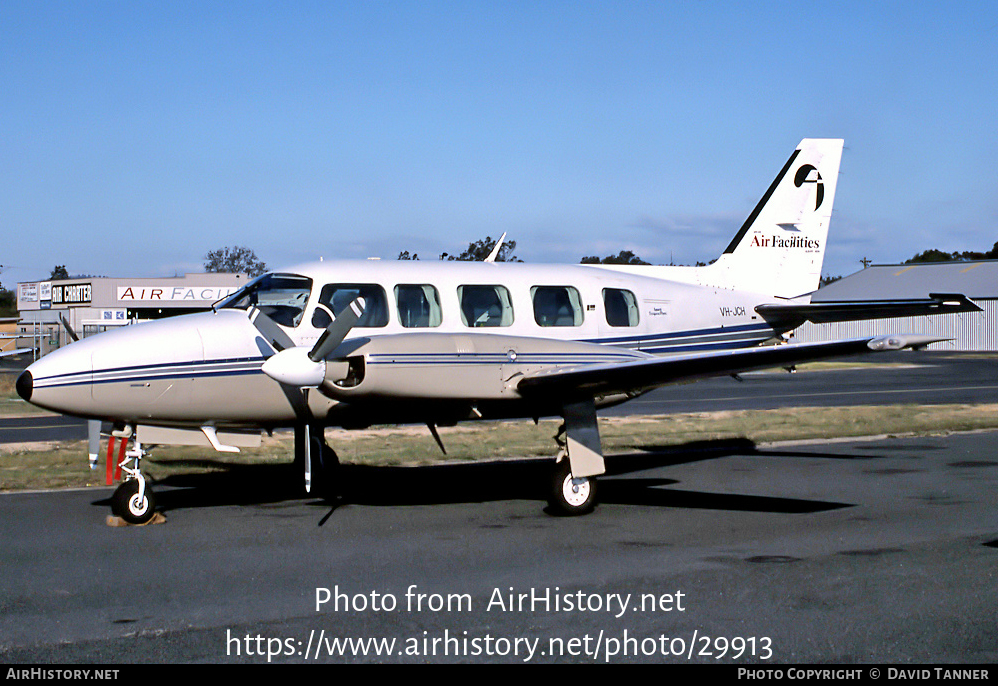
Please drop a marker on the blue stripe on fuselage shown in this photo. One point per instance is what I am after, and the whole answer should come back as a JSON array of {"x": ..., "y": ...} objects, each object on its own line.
[{"x": 733, "y": 337}]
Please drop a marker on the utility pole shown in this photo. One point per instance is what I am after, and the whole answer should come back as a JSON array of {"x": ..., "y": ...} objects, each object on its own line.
[{"x": 866, "y": 262}]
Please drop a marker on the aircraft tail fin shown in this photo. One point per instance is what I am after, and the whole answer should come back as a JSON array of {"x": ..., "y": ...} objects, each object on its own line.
[{"x": 780, "y": 248}]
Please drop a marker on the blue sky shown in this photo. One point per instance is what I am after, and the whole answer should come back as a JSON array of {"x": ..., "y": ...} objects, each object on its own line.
[{"x": 137, "y": 136}]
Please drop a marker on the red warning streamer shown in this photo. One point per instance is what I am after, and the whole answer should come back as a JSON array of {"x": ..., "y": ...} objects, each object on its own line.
[
  {"x": 110, "y": 456},
  {"x": 121, "y": 458},
  {"x": 114, "y": 468}
]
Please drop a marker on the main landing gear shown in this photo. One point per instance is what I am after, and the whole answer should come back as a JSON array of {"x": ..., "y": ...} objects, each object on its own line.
[{"x": 572, "y": 490}]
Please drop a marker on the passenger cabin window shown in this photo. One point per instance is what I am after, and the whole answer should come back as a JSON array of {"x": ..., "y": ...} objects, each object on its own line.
[
  {"x": 621, "y": 307},
  {"x": 335, "y": 298},
  {"x": 556, "y": 306},
  {"x": 418, "y": 306},
  {"x": 485, "y": 306},
  {"x": 282, "y": 297}
]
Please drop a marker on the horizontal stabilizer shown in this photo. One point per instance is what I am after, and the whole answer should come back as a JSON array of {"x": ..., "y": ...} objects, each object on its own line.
[{"x": 790, "y": 316}]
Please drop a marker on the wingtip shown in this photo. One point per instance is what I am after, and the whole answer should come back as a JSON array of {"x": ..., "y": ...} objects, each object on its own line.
[{"x": 902, "y": 341}]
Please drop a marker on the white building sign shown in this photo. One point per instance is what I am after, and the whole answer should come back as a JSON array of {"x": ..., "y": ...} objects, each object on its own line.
[{"x": 192, "y": 294}]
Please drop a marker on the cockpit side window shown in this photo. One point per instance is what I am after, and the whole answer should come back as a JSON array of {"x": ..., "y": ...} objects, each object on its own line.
[
  {"x": 336, "y": 297},
  {"x": 282, "y": 297}
]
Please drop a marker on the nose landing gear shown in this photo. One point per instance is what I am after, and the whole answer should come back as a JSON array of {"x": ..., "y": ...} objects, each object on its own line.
[{"x": 133, "y": 501}]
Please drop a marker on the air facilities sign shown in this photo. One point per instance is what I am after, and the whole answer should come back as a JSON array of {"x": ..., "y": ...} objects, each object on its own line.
[{"x": 174, "y": 294}]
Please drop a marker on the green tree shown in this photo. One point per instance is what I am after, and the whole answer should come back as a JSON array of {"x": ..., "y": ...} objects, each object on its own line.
[
  {"x": 479, "y": 250},
  {"x": 59, "y": 272},
  {"x": 934, "y": 255},
  {"x": 8, "y": 303},
  {"x": 623, "y": 257},
  {"x": 234, "y": 260}
]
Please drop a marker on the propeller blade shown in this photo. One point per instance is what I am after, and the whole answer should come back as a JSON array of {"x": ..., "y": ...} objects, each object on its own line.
[
  {"x": 337, "y": 331},
  {"x": 69, "y": 329},
  {"x": 269, "y": 329},
  {"x": 93, "y": 441},
  {"x": 308, "y": 447}
]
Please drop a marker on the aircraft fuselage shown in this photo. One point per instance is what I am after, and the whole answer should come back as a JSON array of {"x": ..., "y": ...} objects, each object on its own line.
[{"x": 419, "y": 350}]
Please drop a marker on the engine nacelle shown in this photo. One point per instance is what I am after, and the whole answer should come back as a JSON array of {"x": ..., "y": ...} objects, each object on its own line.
[{"x": 423, "y": 365}]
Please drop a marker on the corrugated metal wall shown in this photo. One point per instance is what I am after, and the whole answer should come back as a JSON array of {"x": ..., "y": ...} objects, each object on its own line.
[{"x": 969, "y": 330}]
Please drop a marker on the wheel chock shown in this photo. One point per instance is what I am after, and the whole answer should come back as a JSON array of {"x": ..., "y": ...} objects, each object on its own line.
[{"x": 114, "y": 520}]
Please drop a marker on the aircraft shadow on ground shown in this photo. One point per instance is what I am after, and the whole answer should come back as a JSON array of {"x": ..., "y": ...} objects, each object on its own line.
[{"x": 527, "y": 479}]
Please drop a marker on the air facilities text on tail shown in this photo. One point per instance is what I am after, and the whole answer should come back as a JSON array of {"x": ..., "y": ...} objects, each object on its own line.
[{"x": 784, "y": 242}]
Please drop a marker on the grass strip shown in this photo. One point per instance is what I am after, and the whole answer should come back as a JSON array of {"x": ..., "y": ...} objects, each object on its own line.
[{"x": 64, "y": 464}]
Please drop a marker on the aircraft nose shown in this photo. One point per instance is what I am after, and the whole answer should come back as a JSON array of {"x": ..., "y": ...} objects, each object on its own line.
[
  {"x": 59, "y": 381},
  {"x": 24, "y": 385}
]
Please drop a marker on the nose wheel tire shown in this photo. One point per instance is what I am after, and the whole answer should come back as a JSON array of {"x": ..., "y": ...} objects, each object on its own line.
[
  {"x": 127, "y": 504},
  {"x": 569, "y": 495}
]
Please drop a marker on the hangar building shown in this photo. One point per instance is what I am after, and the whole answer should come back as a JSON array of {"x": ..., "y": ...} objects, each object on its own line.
[
  {"x": 48, "y": 309},
  {"x": 967, "y": 330}
]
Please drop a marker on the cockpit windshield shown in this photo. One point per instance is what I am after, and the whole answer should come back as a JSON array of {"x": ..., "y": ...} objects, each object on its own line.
[{"x": 282, "y": 297}]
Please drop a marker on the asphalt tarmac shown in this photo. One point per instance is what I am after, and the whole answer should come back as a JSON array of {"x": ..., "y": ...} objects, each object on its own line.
[
  {"x": 849, "y": 552},
  {"x": 921, "y": 377}
]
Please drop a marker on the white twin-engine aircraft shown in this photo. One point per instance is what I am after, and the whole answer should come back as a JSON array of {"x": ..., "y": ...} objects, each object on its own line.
[{"x": 358, "y": 343}]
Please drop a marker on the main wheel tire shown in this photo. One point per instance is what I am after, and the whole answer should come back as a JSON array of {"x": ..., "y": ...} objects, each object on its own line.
[
  {"x": 570, "y": 496},
  {"x": 126, "y": 503}
]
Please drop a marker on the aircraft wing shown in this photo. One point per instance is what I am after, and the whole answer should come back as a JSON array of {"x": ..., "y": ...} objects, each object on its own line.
[
  {"x": 792, "y": 315},
  {"x": 18, "y": 351},
  {"x": 641, "y": 374}
]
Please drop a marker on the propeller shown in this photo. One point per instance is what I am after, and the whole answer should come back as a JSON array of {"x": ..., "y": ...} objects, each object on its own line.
[
  {"x": 297, "y": 369},
  {"x": 296, "y": 366}
]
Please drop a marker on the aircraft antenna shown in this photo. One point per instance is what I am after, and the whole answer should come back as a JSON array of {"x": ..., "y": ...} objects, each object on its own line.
[{"x": 495, "y": 250}]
